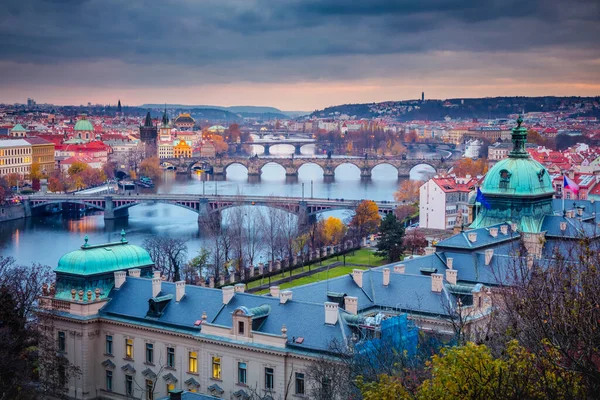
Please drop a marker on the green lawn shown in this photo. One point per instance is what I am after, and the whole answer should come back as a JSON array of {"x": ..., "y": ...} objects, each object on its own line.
[
  {"x": 319, "y": 276},
  {"x": 362, "y": 256}
]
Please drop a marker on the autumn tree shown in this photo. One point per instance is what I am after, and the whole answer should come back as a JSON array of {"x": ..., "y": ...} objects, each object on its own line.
[
  {"x": 467, "y": 166},
  {"x": 408, "y": 191},
  {"x": 109, "y": 169},
  {"x": 414, "y": 240},
  {"x": 13, "y": 179},
  {"x": 150, "y": 167},
  {"x": 366, "y": 218},
  {"x": 77, "y": 167},
  {"x": 391, "y": 236},
  {"x": 58, "y": 182},
  {"x": 406, "y": 211},
  {"x": 220, "y": 145},
  {"x": 333, "y": 230}
]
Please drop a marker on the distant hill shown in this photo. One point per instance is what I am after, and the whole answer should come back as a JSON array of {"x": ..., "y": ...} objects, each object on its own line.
[
  {"x": 489, "y": 107},
  {"x": 251, "y": 110}
]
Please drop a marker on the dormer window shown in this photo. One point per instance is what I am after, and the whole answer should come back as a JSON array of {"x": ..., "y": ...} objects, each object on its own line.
[{"x": 504, "y": 179}]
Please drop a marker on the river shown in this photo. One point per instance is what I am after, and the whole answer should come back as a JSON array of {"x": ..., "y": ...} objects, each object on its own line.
[{"x": 46, "y": 239}]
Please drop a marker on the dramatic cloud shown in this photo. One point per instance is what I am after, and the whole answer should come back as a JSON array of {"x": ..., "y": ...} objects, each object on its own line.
[{"x": 147, "y": 50}]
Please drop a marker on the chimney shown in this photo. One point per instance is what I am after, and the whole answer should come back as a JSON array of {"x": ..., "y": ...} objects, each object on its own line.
[
  {"x": 580, "y": 211},
  {"x": 240, "y": 288},
  {"x": 513, "y": 226},
  {"x": 386, "y": 276},
  {"x": 351, "y": 304},
  {"x": 472, "y": 237},
  {"x": 179, "y": 290},
  {"x": 120, "y": 277},
  {"x": 156, "y": 284},
  {"x": 563, "y": 226},
  {"x": 570, "y": 214},
  {"x": 494, "y": 232},
  {"x": 436, "y": 282},
  {"x": 228, "y": 292},
  {"x": 274, "y": 290},
  {"x": 357, "y": 275},
  {"x": 488, "y": 256},
  {"x": 175, "y": 394},
  {"x": 331, "y": 313},
  {"x": 504, "y": 229},
  {"x": 449, "y": 262},
  {"x": 399, "y": 269},
  {"x": 135, "y": 272},
  {"x": 284, "y": 296},
  {"x": 156, "y": 274},
  {"x": 451, "y": 275}
]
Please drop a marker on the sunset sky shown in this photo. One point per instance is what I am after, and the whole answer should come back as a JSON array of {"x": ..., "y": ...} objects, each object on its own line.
[{"x": 295, "y": 54}]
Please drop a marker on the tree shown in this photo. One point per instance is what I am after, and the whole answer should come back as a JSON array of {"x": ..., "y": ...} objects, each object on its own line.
[
  {"x": 414, "y": 240},
  {"x": 467, "y": 166},
  {"x": 169, "y": 255},
  {"x": 197, "y": 266},
  {"x": 408, "y": 191},
  {"x": 76, "y": 168},
  {"x": 366, "y": 218},
  {"x": 220, "y": 145},
  {"x": 13, "y": 179},
  {"x": 58, "y": 183},
  {"x": 391, "y": 237},
  {"x": 109, "y": 169},
  {"x": 405, "y": 211},
  {"x": 333, "y": 230},
  {"x": 150, "y": 167},
  {"x": 385, "y": 388}
]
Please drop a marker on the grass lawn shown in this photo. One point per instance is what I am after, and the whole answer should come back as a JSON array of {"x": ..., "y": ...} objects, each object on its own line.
[{"x": 320, "y": 276}]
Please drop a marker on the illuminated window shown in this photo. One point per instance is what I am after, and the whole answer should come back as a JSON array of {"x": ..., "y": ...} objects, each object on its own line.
[
  {"x": 128, "y": 348},
  {"x": 170, "y": 387},
  {"x": 216, "y": 367},
  {"x": 193, "y": 362}
]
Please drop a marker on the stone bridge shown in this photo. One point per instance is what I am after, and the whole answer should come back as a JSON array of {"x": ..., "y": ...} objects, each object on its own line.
[
  {"x": 117, "y": 206},
  {"x": 291, "y": 165},
  {"x": 266, "y": 144}
]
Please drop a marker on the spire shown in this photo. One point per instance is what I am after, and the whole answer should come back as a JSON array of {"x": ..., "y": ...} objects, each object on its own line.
[
  {"x": 148, "y": 122},
  {"x": 519, "y": 139},
  {"x": 119, "y": 106},
  {"x": 165, "y": 118}
]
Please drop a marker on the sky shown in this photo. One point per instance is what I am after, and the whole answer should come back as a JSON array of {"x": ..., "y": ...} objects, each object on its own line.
[{"x": 295, "y": 54}]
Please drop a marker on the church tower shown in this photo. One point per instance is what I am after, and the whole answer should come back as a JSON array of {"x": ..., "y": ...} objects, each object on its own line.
[{"x": 148, "y": 135}]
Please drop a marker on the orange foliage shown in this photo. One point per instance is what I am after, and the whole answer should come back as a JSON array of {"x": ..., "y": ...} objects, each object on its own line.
[
  {"x": 467, "y": 166},
  {"x": 408, "y": 191}
]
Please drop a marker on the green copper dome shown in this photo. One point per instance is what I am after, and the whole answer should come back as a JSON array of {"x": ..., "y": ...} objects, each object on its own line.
[
  {"x": 18, "y": 128},
  {"x": 84, "y": 125},
  {"x": 104, "y": 258},
  {"x": 517, "y": 177}
]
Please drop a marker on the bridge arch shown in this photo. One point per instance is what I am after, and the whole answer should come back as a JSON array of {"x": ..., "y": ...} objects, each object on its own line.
[
  {"x": 188, "y": 205},
  {"x": 356, "y": 166},
  {"x": 301, "y": 164},
  {"x": 69, "y": 201},
  {"x": 383, "y": 165},
  {"x": 411, "y": 168}
]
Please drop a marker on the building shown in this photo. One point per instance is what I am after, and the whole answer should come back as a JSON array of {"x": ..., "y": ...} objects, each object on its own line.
[
  {"x": 182, "y": 150},
  {"x": 18, "y": 131},
  {"x": 165, "y": 150},
  {"x": 164, "y": 134},
  {"x": 133, "y": 334},
  {"x": 149, "y": 135},
  {"x": 184, "y": 122},
  {"x": 473, "y": 148},
  {"x": 444, "y": 202},
  {"x": 15, "y": 157},
  {"x": 83, "y": 128},
  {"x": 499, "y": 151},
  {"x": 42, "y": 153}
]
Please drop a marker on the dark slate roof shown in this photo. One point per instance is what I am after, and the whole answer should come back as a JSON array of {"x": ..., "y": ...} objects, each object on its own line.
[
  {"x": 484, "y": 239},
  {"x": 576, "y": 229}
]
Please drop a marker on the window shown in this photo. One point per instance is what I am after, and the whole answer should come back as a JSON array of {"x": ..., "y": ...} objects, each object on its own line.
[
  {"x": 240, "y": 327},
  {"x": 129, "y": 385},
  {"x": 109, "y": 380},
  {"x": 299, "y": 383},
  {"x": 269, "y": 378},
  {"x": 171, "y": 357},
  {"x": 216, "y": 367},
  {"x": 149, "y": 353},
  {"x": 242, "y": 373},
  {"x": 149, "y": 389},
  {"x": 128, "y": 348},
  {"x": 170, "y": 387},
  {"x": 62, "y": 345},
  {"x": 193, "y": 361},
  {"x": 109, "y": 349},
  {"x": 62, "y": 376}
]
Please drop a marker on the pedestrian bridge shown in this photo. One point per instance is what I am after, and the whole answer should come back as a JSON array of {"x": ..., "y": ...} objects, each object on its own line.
[
  {"x": 254, "y": 165},
  {"x": 117, "y": 206}
]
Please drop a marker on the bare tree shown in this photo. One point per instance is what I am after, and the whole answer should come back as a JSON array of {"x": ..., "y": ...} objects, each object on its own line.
[
  {"x": 272, "y": 221},
  {"x": 169, "y": 255},
  {"x": 252, "y": 232},
  {"x": 213, "y": 230}
]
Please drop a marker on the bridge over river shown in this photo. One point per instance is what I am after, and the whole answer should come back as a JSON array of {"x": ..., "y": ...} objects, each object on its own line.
[
  {"x": 117, "y": 206},
  {"x": 291, "y": 165}
]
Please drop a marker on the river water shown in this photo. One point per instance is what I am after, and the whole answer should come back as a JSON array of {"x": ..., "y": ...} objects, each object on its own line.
[{"x": 46, "y": 239}]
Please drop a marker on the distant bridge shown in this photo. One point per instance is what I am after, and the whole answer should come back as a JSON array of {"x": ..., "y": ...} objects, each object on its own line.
[
  {"x": 291, "y": 165},
  {"x": 117, "y": 206},
  {"x": 266, "y": 144}
]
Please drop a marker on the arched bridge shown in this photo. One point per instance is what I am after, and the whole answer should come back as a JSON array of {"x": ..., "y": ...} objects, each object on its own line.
[
  {"x": 266, "y": 144},
  {"x": 116, "y": 206},
  {"x": 291, "y": 165}
]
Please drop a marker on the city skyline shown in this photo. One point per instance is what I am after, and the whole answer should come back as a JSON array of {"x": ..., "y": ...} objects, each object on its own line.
[{"x": 295, "y": 55}]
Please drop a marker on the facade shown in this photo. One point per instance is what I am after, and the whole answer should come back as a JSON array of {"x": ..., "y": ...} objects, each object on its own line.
[
  {"x": 149, "y": 135},
  {"x": 165, "y": 150},
  {"x": 184, "y": 122},
  {"x": 15, "y": 157},
  {"x": 182, "y": 150},
  {"x": 42, "y": 153},
  {"x": 472, "y": 148},
  {"x": 499, "y": 151},
  {"x": 444, "y": 202}
]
